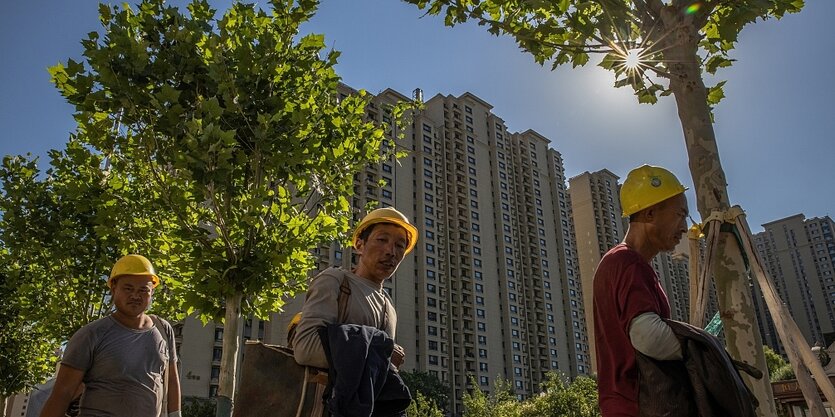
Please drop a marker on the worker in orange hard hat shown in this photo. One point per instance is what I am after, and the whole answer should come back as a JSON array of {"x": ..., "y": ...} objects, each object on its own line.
[
  {"x": 127, "y": 361},
  {"x": 629, "y": 302},
  {"x": 340, "y": 296}
]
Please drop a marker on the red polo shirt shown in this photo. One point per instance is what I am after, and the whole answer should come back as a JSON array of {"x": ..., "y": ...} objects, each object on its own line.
[{"x": 625, "y": 286}]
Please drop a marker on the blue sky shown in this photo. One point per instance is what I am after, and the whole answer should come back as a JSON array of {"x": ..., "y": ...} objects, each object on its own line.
[{"x": 774, "y": 128}]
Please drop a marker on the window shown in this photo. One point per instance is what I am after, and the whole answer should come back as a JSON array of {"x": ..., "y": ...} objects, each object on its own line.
[
  {"x": 432, "y": 330},
  {"x": 482, "y": 353},
  {"x": 387, "y": 168},
  {"x": 431, "y": 288},
  {"x": 430, "y": 274},
  {"x": 431, "y": 302},
  {"x": 433, "y": 360},
  {"x": 433, "y": 345},
  {"x": 430, "y": 260},
  {"x": 481, "y": 327},
  {"x": 427, "y": 128}
]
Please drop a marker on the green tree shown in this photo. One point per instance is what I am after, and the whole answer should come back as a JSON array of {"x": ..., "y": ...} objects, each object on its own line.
[
  {"x": 778, "y": 368},
  {"x": 431, "y": 388},
  {"x": 657, "y": 48},
  {"x": 423, "y": 406},
  {"x": 237, "y": 128},
  {"x": 561, "y": 397},
  {"x": 198, "y": 407},
  {"x": 501, "y": 402},
  {"x": 25, "y": 356}
]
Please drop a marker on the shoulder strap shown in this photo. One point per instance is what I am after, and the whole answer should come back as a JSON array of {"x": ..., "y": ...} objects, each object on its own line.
[
  {"x": 163, "y": 330},
  {"x": 344, "y": 294}
]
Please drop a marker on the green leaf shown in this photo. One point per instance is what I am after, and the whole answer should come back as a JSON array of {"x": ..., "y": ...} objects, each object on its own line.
[
  {"x": 717, "y": 61},
  {"x": 716, "y": 93}
]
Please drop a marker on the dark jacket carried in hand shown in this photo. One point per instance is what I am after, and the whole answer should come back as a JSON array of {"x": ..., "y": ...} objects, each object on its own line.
[
  {"x": 704, "y": 383},
  {"x": 363, "y": 383}
]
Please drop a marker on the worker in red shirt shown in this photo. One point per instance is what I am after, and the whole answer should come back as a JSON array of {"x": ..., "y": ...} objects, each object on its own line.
[{"x": 629, "y": 302}]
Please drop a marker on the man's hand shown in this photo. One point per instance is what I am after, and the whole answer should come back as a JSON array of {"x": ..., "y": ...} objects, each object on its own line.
[{"x": 398, "y": 355}]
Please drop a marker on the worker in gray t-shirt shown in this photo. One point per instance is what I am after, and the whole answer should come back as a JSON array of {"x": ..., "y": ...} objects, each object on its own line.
[{"x": 122, "y": 359}]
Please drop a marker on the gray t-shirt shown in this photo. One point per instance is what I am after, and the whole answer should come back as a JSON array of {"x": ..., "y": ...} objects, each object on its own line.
[{"x": 123, "y": 367}]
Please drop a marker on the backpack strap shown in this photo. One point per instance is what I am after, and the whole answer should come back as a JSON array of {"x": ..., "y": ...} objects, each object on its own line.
[
  {"x": 163, "y": 330},
  {"x": 342, "y": 301}
]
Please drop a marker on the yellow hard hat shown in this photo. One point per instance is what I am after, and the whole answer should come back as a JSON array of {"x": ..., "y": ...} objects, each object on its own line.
[
  {"x": 387, "y": 215},
  {"x": 133, "y": 265},
  {"x": 646, "y": 186}
]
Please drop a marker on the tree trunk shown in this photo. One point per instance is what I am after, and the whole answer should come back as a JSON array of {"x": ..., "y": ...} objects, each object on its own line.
[
  {"x": 3, "y": 405},
  {"x": 742, "y": 334},
  {"x": 229, "y": 358}
]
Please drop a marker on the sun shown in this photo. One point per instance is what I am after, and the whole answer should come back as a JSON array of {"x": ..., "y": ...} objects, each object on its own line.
[{"x": 632, "y": 59}]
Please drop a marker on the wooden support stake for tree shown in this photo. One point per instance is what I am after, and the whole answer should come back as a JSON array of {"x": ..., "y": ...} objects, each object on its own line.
[
  {"x": 695, "y": 319},
  {"x": 697, "y": 314},
  {"x": 800, "y": 354}
]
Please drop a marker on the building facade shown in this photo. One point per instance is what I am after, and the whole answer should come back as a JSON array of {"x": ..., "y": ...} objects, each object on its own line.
[{"x": 798, "y": 254}]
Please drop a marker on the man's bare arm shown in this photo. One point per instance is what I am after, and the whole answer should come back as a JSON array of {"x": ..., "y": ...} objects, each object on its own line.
[{"x": 66, "y": 387}]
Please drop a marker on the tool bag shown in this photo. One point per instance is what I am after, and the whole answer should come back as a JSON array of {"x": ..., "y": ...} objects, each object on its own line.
[{"x": 274, "y": 385}]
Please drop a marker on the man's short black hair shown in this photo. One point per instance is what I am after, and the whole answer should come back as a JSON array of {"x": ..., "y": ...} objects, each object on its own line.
[{"x": 363, "y": 236}]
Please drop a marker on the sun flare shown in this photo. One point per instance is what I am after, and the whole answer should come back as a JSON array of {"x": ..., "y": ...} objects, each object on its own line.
[{"x": 632, "y": 59}]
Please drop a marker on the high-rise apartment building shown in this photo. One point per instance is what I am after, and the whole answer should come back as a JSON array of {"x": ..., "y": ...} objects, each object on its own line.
[
  {"x": 599, "y": 225},
  {"x": 799, "y": 255},
  {"x": 492, "y": 289}
]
